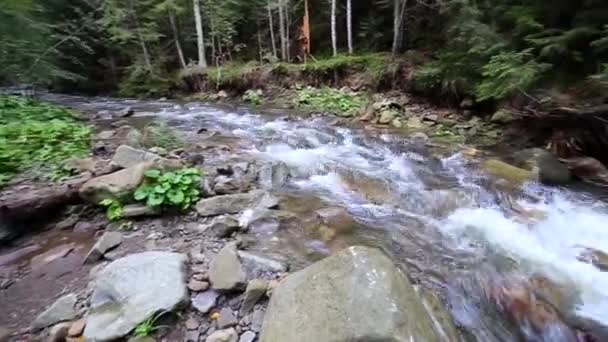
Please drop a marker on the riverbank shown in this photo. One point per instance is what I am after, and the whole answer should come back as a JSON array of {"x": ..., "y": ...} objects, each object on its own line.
[{"x": 291, "y": 190}]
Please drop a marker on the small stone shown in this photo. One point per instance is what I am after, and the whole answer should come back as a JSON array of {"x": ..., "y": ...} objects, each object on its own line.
[
  {"x": 257, "y": 320},
  {"x": 255, "y": 290},
  {"x": 59, "y": 332},
  {"x": 197, "y": 285},
  {"x": 248, "y": 336},
  {"x": 228, "y": 335},
  {"x": 61, "y": 310},
  {"x": 105, "y": 243},
  {"x": 192, "y": 323},
  {"x": 226, "y": 272},
  {"x": 227, "y": 319},
  {"x": 205, "y": 301},
  {"x": 5, "y": 334},
  {"x": 77, "y": 328}
]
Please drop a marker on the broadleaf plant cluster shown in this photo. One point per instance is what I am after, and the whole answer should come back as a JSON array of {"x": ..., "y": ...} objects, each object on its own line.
[{"x": 173, "y": 189}]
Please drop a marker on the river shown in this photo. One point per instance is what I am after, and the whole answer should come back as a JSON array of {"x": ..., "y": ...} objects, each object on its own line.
[{"x": 432, "y": 209}]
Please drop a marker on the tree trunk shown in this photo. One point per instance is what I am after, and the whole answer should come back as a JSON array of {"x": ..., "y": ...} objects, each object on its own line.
[
  {"x": 271, "y": 26},
  {"x": 398, "y": 14},
  {"x": 334, "y": 37},
  {"x": 178, "y": 46},
  {"x": 140, "y": 37},
  {"x": 259, "y": 36},
  {"x": 200, "y": 41},
  {"x": 349, "y": 25},
  {"x": 287, "y": 30},
  {"x": 282, "y": 31}
]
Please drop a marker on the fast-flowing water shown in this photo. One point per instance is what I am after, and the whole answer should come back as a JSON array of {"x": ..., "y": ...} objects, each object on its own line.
[{"x": 434, "y": 211}]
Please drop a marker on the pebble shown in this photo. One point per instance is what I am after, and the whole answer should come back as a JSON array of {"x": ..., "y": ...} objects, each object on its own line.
[
  {"x": 77, "y": 328},
  {"x": 192, "y": 323},
  {"x": 226, "y": 319},
  {"x": 228, "y": 335},
  {"x": 205, "y": 301},
  {"x": 197, "y": 285},
  {"x": 248, "y": 336}
]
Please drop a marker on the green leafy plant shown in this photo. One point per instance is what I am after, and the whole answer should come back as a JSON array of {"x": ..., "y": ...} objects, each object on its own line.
[
  {"x": 36, "y": 135},
  {"x": 175, "y": 189},
  {"x": 113, "y": 209},
  {"x": 253, "y": 97},
  {"x": 330, "y": 100},
  {"x": 148, "y": 327}
]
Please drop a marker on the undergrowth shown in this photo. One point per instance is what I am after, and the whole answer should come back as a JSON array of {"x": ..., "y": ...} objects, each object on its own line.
[
  {"x": 40, "y": 136},
  {"x": 175, "y": 189},
  {"x": 330, "y": 100}
]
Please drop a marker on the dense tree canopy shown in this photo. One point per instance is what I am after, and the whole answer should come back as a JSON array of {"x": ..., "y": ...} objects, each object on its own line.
[{"x": 487, "y": 49}]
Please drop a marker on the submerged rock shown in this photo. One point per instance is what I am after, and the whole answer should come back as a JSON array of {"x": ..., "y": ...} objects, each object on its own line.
[
  {"x": 355, "y": 295},
  {"x": 60, "y": 311},
  {"x": 132, "y": 289}
]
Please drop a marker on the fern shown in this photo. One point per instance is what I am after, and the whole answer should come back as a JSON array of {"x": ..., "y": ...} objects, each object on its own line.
[{"x": 507, "y": 73}]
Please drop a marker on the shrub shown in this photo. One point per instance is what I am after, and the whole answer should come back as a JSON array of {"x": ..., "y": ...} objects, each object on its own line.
[
  {"x": 113, "y": 209},
  {"x": 253, "y": 97},
  {"x": 176, "y": 189},
  {"x": 330, "y": 100},
  {"x": 159, "y": 134}
]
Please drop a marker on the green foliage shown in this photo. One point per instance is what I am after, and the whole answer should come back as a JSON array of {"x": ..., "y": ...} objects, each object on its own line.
[
  {"x": 113, "y": 209},
  {"x": 507, "y": 73},
  {"x": 330, "y": 100},
  {"x": 159, "y": 134},
  {"x": 38, "y": 135},
  {"x": 148, "y": 327},
  {"x": 139, "y": 81},
  {"x": 176, "y": 189},
  {"x": 253, "y": 97}
]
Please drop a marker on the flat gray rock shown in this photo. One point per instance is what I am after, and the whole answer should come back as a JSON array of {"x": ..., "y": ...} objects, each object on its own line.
[
  {"x": 355, "y": 295},
  {"x": 60, "y": 311},
  {"x": 203, "y": 302},
  {"x": 256, "y": 265},
  {"x": 235, "y": 203},
  {"x": 132, "y": 289},
  {"x": 226, "y": 272},
  {"x": 105, "y": 243}
]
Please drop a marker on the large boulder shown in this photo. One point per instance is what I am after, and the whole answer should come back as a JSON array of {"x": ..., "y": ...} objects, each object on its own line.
[
  {"x": 509, "y": 172},
  {"x": 132, "y": 289},
  {"x": 115, "y": 185},
  {"x": 550, "y": 170},
  {"x": 234, "y": 204},
  {"x": 357, "y": 295}
]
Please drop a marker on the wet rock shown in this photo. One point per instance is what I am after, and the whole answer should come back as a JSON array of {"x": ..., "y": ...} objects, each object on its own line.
[
  {"x": 58, "y": 332},
  {"x": 248, "y": 336},
  {"x": 227, "y": 318},
  {"x": 126, "y": 112},
  {"x": 226, "y": 272},
  {"x": 595, "y": 257},
  {"x": 256, "y": 288},
  {"x": 441, "y": 318},
  {"x": 127, "y": 156},
  {"x": 503, "y": 116},
  {"x": 509, "y": 172},
  {"x": 138, "y": 210},
  {"x": 60, "y": 311},
  {"x": 223, "y": 226},
  {"x": 115, "y": 185},
  {"x": 234, "y": 204},
  {"x": 131, "y": 289},
  {"x": 197, "y": 285},
  {"x": 77, "y": 327},
  {"x": 256, "y": 266},
  {"x": 550, "y": 170},
  {"x": 273, "y": 175},
  {"x": 355, "y": 295},
  {"x": 105, "y": 243},
  {"x": 587, "y": 168},
  {"x": 337, "y": 218},
  {"x": 387, "y": 115},
  {"x": 205, "y": 301},
  {"x": 228, "y": 335}
]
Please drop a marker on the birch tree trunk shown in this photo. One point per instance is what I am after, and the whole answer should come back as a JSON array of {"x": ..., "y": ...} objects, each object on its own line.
[
  {"x": 398, "y": 14},
  {"x": 334, "y": 37},
  {"x": 349, "y": 25},
  {"x": 271, "y": 26},
  {"x": 200, "y": 41},
  {"x": 178, "y": 46},
  {"x": 282, "y": 31},
  {"x": 286, "y": 7}
]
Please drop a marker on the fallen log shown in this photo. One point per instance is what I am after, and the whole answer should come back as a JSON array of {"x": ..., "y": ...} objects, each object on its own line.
[{"x": 34, "y": 204}]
